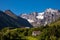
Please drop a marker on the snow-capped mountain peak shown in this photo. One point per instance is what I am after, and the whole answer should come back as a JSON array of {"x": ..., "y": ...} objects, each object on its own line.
[{"x": 42, "y": 18}]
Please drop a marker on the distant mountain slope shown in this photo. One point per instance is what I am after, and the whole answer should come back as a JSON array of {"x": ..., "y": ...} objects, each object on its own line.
[{"x": 12, "y": 21}]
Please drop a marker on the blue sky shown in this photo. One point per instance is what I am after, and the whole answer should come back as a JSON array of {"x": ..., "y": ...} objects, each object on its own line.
[{"x": 28, "y": 6}]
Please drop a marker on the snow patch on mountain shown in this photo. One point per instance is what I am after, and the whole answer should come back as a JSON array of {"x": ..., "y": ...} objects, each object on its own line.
[
  {"x": 40, "y": 15},
  {"x": 30, "y": 20}
]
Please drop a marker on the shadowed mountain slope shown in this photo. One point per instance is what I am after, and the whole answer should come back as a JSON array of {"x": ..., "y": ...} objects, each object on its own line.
[{"x": 7, "y": 20}]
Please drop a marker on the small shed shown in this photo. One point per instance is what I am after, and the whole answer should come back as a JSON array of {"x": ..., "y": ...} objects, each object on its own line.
[{"x": 35, "y": 33}]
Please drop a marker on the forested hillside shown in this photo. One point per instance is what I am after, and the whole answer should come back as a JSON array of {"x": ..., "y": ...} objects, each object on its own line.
[{"x": 47, "y": 32}]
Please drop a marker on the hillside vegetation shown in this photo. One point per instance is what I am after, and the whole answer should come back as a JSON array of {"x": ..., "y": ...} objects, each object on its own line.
[
  {"x": 48, "y": 32},
  {"x": 56, "y": 23}
]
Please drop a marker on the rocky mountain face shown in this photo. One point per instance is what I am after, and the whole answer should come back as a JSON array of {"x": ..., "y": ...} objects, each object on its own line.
[
  {"x": 51, "y": 15},
  {"x": 9, "y": 19},
  {"x": 43, "y": 18}
]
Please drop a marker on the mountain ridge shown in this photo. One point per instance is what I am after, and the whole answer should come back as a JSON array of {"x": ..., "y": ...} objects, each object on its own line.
[
  {"x": 42, "y": 18},
  {"x": 10, "y": 21}
]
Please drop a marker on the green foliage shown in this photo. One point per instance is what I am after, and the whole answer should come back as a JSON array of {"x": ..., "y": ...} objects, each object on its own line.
[
  {"x": 53, "y": 37},
  {"x": 31, "y": 38},
  {"x": 46, "y": 33}
]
